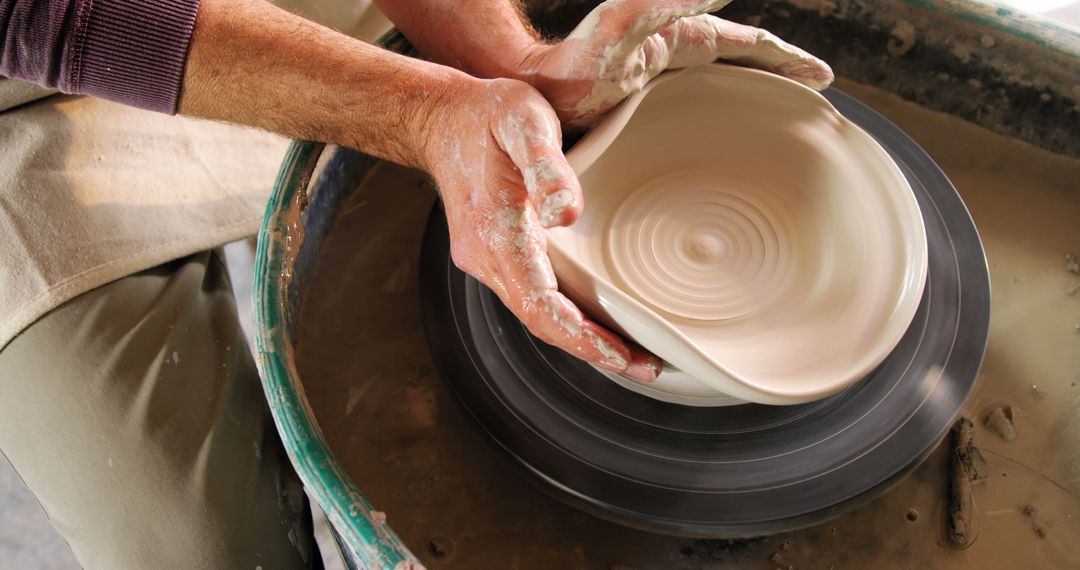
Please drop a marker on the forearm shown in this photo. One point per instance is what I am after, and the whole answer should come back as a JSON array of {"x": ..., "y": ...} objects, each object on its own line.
[
  {"x": 486, "y": 38},
  {"x": 254, "y": 64}
]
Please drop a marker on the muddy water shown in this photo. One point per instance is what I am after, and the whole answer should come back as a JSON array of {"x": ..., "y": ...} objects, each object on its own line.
[{"x": 388, "y": 417}]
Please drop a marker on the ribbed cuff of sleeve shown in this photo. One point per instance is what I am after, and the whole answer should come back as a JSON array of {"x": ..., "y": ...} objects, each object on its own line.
[{"x": 134, "y": 51}]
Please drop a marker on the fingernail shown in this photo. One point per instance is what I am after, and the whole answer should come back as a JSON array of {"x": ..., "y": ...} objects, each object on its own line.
[
  {"x": 642, "y": 372},
  {"x": 613, "y": 363},
  {"x": 552, "y": 211}
]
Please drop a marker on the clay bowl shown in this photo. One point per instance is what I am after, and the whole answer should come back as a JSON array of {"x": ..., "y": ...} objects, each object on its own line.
[{"x": 740, "y": 228}]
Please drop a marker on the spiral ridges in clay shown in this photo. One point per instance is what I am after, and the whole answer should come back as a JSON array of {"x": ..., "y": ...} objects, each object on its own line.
[{"x": 701, "y": 246}]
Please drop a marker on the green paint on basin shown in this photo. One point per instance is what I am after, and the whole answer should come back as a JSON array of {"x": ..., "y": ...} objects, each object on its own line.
[{"x": 362, "y": 532}]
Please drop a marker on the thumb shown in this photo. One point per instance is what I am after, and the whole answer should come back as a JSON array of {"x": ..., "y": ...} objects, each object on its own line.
[{"x": 531, "y": 140}]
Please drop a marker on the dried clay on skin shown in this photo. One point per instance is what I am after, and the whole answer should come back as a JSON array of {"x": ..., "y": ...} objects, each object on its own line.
[{"x": 653, "y": 44}]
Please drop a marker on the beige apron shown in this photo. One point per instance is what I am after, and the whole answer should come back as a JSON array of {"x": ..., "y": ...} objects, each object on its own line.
[{"x": 91, "y": 191}]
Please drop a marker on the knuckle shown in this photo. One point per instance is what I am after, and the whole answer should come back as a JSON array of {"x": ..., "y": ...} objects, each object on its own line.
[
  {"x": 514, "y": 92},
  {"x": 462, "y": 256},
  {"x": 534, "y": 320}
]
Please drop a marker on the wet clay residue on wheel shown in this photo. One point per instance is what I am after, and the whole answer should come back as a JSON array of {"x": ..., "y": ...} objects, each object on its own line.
[{"x": 456, "y": 503}]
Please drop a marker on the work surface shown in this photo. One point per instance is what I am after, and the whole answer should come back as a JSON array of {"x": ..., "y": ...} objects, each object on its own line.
[{"x": 395, "y": 427}]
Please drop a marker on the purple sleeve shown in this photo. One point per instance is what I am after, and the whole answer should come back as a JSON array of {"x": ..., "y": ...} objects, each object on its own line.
[{"x": 130, "y": 51}]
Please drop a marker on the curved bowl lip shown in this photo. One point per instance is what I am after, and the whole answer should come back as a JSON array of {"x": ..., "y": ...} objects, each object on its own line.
[
  {"x": 715, "y": 400},
  {"x": 906, "y": 305}
]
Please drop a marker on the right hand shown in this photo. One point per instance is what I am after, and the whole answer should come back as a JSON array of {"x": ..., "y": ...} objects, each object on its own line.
[
  {"x": 494, "y": 149},
  {"x": 622, "y": 44}
]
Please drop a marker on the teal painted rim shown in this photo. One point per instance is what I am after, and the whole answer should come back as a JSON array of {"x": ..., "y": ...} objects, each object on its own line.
[
  {"x": 1035, "y": 28},
  {"x": 362, "y": 530}
]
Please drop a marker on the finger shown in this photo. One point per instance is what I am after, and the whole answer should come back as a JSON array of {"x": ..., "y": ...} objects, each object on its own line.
[
  {"x": 702, "y": 39},
  {"x": 532, "y": 294},
  {"x": 620, "y": 32},
  {"x": 644, "y": 365},
  {"x": 556, "y": 320},
  {"x": 533, "y": 142},
  {"x": 629, "y": 22}
]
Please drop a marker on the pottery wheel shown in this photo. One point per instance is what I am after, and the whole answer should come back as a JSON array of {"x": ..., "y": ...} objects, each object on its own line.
[{"x": 721, "y": 472}]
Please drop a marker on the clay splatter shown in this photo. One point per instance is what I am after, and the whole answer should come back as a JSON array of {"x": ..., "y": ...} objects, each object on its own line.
[
  {"x": 1072, "y": 263},
  {"x": 1031, "y": 514},
  {"x": 1001, "y": 421}
]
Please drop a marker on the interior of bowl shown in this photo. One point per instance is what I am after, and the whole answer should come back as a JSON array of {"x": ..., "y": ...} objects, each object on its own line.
[{"x": 770, "y": 232}]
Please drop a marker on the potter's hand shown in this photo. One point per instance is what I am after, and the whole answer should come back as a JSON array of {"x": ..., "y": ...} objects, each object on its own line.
[
  {"x": 495, "y": 155},
  {"x": 622, "y": 44}
]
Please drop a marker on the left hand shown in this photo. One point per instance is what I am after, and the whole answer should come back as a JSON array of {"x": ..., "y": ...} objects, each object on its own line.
[
  {"x": 622, "y": 44},
  {"x": 494, "y": 149}
]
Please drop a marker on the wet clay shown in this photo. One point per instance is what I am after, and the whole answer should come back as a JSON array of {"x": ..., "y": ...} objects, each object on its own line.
[
  {"x": 730, "y": 269},
  {"x": 457, "y": 504}
]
